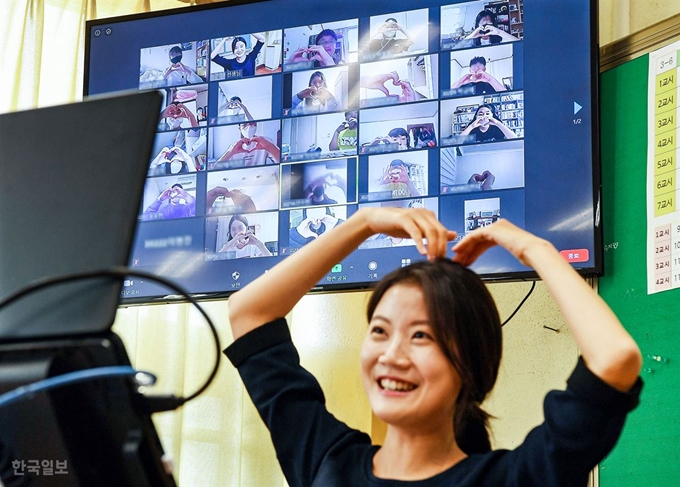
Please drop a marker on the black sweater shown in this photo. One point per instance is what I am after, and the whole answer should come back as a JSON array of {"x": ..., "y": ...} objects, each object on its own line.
[{"x": 582, "y": 425}]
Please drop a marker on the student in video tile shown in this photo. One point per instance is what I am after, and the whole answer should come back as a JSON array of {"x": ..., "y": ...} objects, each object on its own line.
[
  {"x": 200, "y": 116},
  {"x": 316, "y": 190},
  {"x": 242, "y": 241},
  {"x": 487, "y": 32},
  {"x": 315, "y": 222},
  {"x": 388, "y": 41},
  {"x": 235, "y": 109},
  {"x": 253, "y": 150},
  {"x": 486, "y": 127},
  {"x": 323, "y": 52},
  {"x": 178, "y": 73},
  {"x": 315, "y": 98},
  {"x": 174, "y": 202},
  {"x": 397, "y": 136},
  {"x": 423, "y": 137},
  {"x": 243, "y": 61},
  {"x": 396, "y": 180},
  {"x": 176, "y": 113},
  {"x": 430, "y": 357},
  {"x": 478, "y": 81},
  {"x": 484, "y": 181},
  {"x": 377, "y": 82},
  {"x": 172, "y": 161},
  {"x": 345, "y": 136},
  {"x": 241, "y": 201}
]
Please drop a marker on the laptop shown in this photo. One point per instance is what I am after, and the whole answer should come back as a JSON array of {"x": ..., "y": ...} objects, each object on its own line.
[{"x": 71, "y": 183}]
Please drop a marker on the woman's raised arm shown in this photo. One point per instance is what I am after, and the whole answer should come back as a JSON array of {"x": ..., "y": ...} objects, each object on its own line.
[
  {"x": 607, "y": 348},
  {"x": 274, "y": 294}
]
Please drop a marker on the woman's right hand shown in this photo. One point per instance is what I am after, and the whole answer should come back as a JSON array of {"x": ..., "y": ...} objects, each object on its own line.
[{"x": 414, "y": 223}]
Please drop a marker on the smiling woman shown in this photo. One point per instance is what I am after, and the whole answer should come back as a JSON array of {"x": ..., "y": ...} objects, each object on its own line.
[{"x": 430, "y": 357}]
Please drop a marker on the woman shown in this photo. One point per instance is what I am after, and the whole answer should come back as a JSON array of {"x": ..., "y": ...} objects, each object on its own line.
[
  {"x": 429, "y": 359},
  {"x": 486, "y": 30},
  {"x": 242, "y": 241},
  {"x": 243, "y": 62},
  {"x": 486, "y": 127},
  {"x": 315, "y": 98}
]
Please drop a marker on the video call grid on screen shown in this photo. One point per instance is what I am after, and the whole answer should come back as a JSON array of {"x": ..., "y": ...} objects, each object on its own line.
[{"x": 411, "y": 101}]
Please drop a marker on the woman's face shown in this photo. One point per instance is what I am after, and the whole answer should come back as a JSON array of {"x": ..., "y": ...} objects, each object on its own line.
[
  {"x": 317, "y": 82},
  {"x": 485, "y": 21},
  {"x": 237, "y": 228},
  {"x": 408, "y": 379},
  {"x": 483, "y": 115},
  {"x": 239, "y": 49}
]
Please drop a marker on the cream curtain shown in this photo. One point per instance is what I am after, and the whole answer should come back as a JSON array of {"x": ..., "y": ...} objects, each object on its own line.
[{"x": 42, "y": 45}]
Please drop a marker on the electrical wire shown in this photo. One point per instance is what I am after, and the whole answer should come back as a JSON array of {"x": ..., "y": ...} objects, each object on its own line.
[
  {"x": 121, "y": 272},
  {"x": 533, "y": 285},
  {"x": 71, "y": 378}
]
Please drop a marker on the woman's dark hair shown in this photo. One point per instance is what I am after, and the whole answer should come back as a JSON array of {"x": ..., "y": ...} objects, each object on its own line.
[
  {"x": 240, "y": 218},
  {"x": 175, "y": 50},
  {"x": 325, "y": 33},
  {"x": 485, "y": 105},
  {"x": 391, "y": 19},
  {"x": 486, "y": 13},
  {"x": 237, "y": 98},
  {"x": 400, "y": 132},
  {"x": 317, "y": 74},
  {"x": 235, "y": 40},
  {"x": 466, "y": 325}
]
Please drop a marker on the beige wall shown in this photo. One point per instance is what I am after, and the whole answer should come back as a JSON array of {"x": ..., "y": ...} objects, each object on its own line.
[{"x": 619, "y": 18}]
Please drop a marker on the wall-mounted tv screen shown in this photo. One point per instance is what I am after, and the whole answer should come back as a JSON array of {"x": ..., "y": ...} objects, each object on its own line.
[{"x": 284, "y": 117}]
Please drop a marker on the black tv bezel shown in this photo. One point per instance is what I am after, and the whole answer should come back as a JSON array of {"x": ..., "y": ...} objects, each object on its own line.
[{"x": 597, "y": 270}]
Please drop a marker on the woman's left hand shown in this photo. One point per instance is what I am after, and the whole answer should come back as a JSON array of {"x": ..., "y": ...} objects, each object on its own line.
[{"x": 512, "y": 238}]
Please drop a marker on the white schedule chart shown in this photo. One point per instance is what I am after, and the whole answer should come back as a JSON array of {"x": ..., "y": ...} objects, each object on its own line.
[{"x": 663, "y": 210}]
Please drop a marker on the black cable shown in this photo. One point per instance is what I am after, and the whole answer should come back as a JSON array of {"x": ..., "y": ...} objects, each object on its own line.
[
  {"x": 156, "y": 403},
  {"x": 533, "y": 285}
]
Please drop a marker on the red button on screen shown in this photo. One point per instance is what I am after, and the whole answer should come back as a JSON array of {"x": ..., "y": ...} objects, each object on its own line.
[{"x": 575, "y": 255}]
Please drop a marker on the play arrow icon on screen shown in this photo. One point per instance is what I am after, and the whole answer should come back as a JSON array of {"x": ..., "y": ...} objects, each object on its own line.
[{"x": 577, "y": 108}]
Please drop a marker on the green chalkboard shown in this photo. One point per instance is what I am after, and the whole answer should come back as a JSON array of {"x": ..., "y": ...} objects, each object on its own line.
[{"x": 648, "y": 453}]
